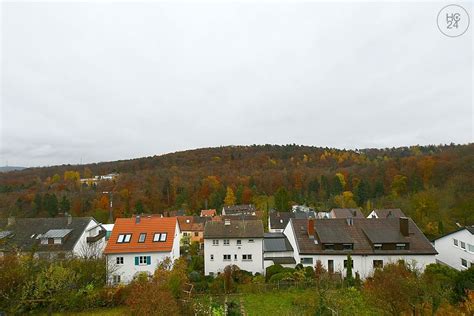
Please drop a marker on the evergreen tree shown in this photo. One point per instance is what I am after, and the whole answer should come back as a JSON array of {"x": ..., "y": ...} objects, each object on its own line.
[
  {"x": 282, "y": 200},
  {"x": 65, "y": 205}
]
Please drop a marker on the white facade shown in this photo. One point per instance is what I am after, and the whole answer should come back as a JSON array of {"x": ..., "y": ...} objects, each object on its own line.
[
  {"x": 362, "y": 264},
  {"x": 93, "y": 249},
  {"x": 219, "y": 253},
  {"x": 123, "y": 267},
  {"x": 456, "y": 249}
]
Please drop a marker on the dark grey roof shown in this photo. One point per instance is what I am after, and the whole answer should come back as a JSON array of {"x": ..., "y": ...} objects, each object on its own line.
[
  {"x": 5, "y": 233},
  {"x": 248, "y": 209},
  {"x": 276, "y": 243},
  {"x": 418, "y": 243},
  {"x": 279, "y": 220},
  {"x": 25, "y": 230},
  {"x": 282, "y": 260},
  {"x": 468, "y": 228},
  {"x": 392, "y": 212},
  {"x": 235, "y": 229},
  {"x": 331, "y": 233},
  {"x": 346, "y": 212},
  {"x": 304, "y": 215}
]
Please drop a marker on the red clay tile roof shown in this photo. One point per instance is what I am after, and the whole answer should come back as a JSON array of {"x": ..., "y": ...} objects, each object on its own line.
[
  {"x": 208, "y": 212},
  {"x": 150, "y": 226},
  {"x": 192, "y": 223}
]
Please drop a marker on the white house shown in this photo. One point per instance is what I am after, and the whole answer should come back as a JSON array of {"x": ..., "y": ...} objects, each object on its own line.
[
  {"x": 233, "y": 242},
  {"x": 456, "y": 249},
  {"x": 53, "y": 238},
  {"x": 371, "y": 243},
  {"x": 139, "y": 244}
]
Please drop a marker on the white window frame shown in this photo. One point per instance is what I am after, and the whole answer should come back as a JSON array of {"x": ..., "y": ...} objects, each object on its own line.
[
  {"x": 226, "y": 242},
  {"x": 463, "y": 245},
  {"x": 212, "y": 257},
  {"x": 119, "y": 260},
  {"x": 127, "y": 238},
  {"x": 142, "y": 260},
  {"x": 239, "y": 242},
  {"x": 140, "y": 240},
  {"x": 462, "y": 263},
  {"x": 227, "y": 256},
  {"x": 215, "y": 242},
  {"x": 156, "y": 237},
  {"x": 306, "y": 258},
  {"x": 124, "y": 238},
  {"x": 163, "y": 237},
  {"x": 455, "y": 242}
]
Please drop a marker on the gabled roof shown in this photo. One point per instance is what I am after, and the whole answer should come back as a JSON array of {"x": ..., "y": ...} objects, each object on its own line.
[
  {"x": 192, "y": 223},
  {"x": 338, "y": 230},
  {"x": 346, "y": 212},
  {"x": 148, "y": 225},
  {"x": 209, "y": 213},
  {"x": 392, "y": 212},
  {"x": 470, "y": 229},
  {"x": 26, "y": 230},
  {"x": 279, "y": 220},
  {"x": 236, "y": 229}
]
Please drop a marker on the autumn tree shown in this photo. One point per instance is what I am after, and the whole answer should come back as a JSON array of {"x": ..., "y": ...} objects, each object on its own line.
[{"x": 229, "y": 197}]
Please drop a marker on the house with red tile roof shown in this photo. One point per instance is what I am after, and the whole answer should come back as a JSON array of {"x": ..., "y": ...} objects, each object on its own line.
[
  {"x": 208, "y": 213},
  {"x": 139, "y": 244}
]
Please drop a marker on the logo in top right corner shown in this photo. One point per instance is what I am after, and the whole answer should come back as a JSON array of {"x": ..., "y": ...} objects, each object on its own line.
[{"x": 453, "y": 20}]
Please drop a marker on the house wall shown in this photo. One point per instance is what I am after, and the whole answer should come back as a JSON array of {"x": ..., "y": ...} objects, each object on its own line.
[
  {"x": 279, "y": 254},
  {"x": 84, "y": 249},
  {"x": 128, "y": 270},
  {"x": 450, "y": 254},
  {"x": 217, "y": 265},
  {"x": 199, "y": 238},
  {"x": 363, "y": 264}
]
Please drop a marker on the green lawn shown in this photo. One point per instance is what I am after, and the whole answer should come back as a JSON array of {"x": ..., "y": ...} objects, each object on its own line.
[{"x": 291, "y": 302}]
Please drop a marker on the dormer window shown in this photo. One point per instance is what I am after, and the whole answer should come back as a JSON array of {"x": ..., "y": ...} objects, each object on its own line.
[
  {"x": 159, "y": 237},
  {"x": 348, "y": 246},
  {"x": 328, "y": 246},
  {"x": 401, "y": 246},
  {"x": 377, "y": 246},
  {"x": 124, "y": 238}
]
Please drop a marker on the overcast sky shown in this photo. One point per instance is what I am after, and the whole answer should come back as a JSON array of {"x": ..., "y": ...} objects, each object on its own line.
[{"x": 107, "y": 81}]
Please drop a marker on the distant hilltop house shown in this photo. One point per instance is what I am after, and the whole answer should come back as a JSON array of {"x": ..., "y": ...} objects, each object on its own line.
[
  {"x": 174, "y": 213},
  {"x": 139, "y": 244},
  {"x": 233, "y": 242},
  {"x": 302, "y": 208},
  {"x": 243, "y": 209},
  {"x": 96, "y": 179},
  {"x": 53, "y": 238},
  {"x": 456, "y": 249}
]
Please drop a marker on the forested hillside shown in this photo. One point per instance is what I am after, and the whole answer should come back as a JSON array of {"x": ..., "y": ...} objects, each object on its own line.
[{"x": 432, "y": 184}]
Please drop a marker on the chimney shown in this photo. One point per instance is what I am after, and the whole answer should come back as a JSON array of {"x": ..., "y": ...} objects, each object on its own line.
[
  {"x": 311, "y": 228},
  {"x": 137, "y": 219},
  {"x": 404, "y": 226},
  {"x": 69, "y": 219},
  {"x": 11, "y": 221}
]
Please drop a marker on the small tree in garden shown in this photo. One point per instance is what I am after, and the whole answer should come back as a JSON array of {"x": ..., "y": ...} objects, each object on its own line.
[
  {"x": 349, "y": 280},
  {"x": 323, "y": 283}
]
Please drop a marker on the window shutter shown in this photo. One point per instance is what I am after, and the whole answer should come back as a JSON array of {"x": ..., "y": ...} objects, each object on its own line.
[
  {"x": 136, "y": 261},
  {"x": 148, "y": 260}
]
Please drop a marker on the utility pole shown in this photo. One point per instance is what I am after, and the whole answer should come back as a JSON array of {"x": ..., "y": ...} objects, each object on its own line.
[{"x": 111, "y": 216}]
